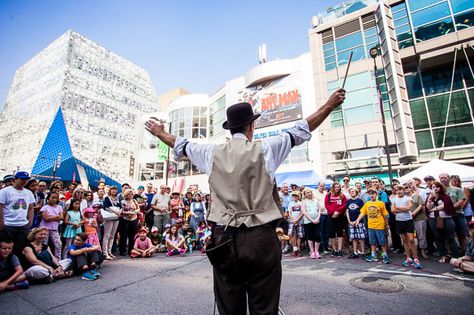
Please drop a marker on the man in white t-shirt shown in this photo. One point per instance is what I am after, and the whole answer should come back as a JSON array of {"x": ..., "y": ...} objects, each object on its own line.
[{"x": 16, "y": 211}]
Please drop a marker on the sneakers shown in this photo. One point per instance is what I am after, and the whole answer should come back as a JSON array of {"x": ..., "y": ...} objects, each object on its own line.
[
  {"x": 182, "y": 252},
  {"x": 317, "y": 255},
  {"x": 353, "y": 256},
  {"x": 21, "y": 285},
  {"x": 417, "y": 264},
  {"x": 94, "y": 273},
  {"x": 371, "y": 258},
  {"x": 386, "y": 259},
  {"x": 312, "y": 255},
  {"x": 363, "y": 256},
  {"x": 407, "y": 262},
  {"x": 334, "y": 253},
  {"x": 88, "y": 276},
  {"x": 169, "y": 253}
]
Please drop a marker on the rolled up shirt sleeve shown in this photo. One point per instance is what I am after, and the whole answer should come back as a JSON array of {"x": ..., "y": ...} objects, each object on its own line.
[
  {"x": 200, "y": 155},
  {"x": 276, "y": 149}
]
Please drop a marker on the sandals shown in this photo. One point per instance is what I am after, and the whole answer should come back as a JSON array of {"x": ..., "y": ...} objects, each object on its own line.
[{"x": 442, "y": 260}]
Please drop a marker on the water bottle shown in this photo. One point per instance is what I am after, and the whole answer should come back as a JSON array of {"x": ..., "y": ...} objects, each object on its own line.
[{"x": 190, "y": 249}]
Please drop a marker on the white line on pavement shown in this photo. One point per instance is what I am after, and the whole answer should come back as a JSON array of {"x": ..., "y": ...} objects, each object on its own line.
[{"x": 410, "y": 273}]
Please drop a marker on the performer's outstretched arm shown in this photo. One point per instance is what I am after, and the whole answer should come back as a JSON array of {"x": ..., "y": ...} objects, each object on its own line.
[
  {"x": 156, "y": 128},
  {"x": 336, "y": 99}
]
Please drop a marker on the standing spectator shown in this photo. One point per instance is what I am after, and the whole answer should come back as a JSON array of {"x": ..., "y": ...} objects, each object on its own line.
[
  {"x": 16, "y": 211},
  {"x": 52, "y": 214},
  {"x": 335, "y": 203},
  {"x": 363, "y": 193},
  {"x": 100, "y": 197},
  {"x": 295, "y": 228},
  {"x": 32, "y": 185},
  {"x": 8, "y": 180},
  {"x": 377, "y": 224},
  {"x": 176, "y": 207},
  {"x": 425, "y": 192},
  {"x": 357, "y": 233},
  {"x": 149, "y": 216},
  {"x": 74, "y": 223},
  {"x": 285, "y": 195},
  {"x": 401, "y": 207},
  {"x": 78, "y": 194},
  {"x": 160, "y": 206},
  {"x": 346, "y": 180},
  {"x": 441, "y": 212},
  {"x": 188, "y": 198},
  {"x": 198, "y": 211},
  {"x": 89, "y": 198},
  {"x": 70, "y": 190},
  {"x": 419, "y": 216},
  {"x": 320, "y": 196},
  {"x": 311, "y": 216},
  {"x": 100, "y": 186},
  {"x": 468, "y": 209},
  {"x": 112, "y": 205},
  {"x": 459, "y": 200},
  {"x": 128, "y": 222}
]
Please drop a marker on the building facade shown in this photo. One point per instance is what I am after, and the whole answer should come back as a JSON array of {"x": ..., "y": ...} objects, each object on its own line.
[
  {"x": 425, "y": 73},
  {"x": 99, "y": 95}
]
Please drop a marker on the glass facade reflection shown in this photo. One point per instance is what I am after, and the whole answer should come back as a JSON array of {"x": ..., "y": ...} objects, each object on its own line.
[
  {"x": 430, "y": 19},
  {"x": 189, "y": 122},
  {"x": 440, "y": 115}
]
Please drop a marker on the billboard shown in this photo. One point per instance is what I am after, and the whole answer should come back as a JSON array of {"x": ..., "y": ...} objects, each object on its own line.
[{"x": 278, "y": 101}]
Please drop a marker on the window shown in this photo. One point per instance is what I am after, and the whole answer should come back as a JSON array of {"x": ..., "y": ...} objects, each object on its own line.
[
  {"x": 456, "y": 135},
  {"x": 418, "y": 4},
  {"x": 435, "y": 29},
  {"x": 423, "y": 140},
  {"x": 418, "y": 113},
  {"x": 413, "y": 84},
  {"x": 461, "y": 5},
  {"x": 349, "y": 41}
]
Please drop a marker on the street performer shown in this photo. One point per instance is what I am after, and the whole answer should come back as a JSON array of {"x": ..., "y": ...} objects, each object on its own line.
[{"x": 244, "y": 249}]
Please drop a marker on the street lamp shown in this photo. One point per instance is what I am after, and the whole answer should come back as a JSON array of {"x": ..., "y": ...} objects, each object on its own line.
[{"x": 374, "y": 52}]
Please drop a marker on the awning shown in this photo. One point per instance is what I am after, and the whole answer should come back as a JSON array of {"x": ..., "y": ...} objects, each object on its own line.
[{"x": 307, "y": 178}]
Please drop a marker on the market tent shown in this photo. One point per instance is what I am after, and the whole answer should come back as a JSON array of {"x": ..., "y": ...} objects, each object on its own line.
[
  {"x": 307, "y": 178},
  {"x": 436, "y": 167}
]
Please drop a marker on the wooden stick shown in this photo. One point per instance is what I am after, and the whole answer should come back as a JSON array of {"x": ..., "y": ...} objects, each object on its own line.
[{"x": 347, "y": 70}]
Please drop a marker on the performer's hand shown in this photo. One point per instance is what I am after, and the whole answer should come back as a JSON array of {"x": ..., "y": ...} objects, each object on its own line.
[
  {"x": 337, "y": 98},
  {"x": 155, "y": 126}
]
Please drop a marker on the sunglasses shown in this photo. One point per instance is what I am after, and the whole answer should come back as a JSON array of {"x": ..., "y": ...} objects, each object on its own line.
[{"x": 345, "y": 180}]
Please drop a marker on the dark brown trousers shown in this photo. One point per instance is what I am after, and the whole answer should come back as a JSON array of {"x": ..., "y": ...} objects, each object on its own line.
[{"x": 247, "y": 266}]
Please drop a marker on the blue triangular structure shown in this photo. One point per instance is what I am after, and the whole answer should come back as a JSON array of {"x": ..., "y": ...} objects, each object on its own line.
[{"x": 56, "y": 142}]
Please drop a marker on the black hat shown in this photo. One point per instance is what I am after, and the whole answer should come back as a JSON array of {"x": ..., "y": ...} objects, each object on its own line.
[
  {"x": 239, "y": 115},
  {"x": 428, "y": 177}
]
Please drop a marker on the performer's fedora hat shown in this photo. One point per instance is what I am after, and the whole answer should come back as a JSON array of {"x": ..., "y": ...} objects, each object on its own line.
[{"x": 239, "y": 115}]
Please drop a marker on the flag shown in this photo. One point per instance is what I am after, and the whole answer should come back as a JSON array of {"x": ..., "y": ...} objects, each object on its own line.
[{"x": 162, "y": 151}]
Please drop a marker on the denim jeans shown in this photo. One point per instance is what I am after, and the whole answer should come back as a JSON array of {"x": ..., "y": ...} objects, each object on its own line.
[
  {"x": 324, "y": 231},
  {"x": 446, "y": 234}
]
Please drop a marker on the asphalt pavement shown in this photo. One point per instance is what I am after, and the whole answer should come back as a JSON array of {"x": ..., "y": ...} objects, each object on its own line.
[{"x": 183, "y": 285}]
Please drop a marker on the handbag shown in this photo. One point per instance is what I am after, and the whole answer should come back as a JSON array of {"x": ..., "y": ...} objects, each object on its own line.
[
  {"x": 439, "y": 223},
  {"x": 108, "y": 215}
]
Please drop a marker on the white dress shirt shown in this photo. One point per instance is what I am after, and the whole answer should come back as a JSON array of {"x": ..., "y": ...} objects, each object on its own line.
[{"x": 275, "y": 149}]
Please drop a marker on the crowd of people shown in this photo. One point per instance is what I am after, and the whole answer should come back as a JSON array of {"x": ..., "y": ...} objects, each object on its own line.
[
  {"x": 49, "y": 231},
  {"x": 419, "y": 219}
]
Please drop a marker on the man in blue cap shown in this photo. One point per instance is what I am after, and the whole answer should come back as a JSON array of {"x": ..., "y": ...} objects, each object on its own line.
[{"x": 16, "y": 211}]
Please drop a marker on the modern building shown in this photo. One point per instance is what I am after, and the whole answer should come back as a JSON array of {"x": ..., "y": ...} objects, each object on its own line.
[
  {"x": 426, "y": 80},
  {"x": 89, "y": 102}
]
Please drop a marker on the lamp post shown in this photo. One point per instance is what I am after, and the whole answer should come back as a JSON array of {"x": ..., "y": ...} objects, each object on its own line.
[{"x": 374, "y": 53}]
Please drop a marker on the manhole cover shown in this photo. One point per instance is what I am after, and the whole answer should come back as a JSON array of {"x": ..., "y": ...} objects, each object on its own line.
[{"x": 377, "y": 285}]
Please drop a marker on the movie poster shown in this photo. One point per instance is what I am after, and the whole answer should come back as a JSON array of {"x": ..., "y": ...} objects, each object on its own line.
[{"x": 278, "y": 101}]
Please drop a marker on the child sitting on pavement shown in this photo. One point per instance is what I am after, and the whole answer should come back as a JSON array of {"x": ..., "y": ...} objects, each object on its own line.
[
  {"x": 157, "y": 240},
  {"x": 143, "y": 246},
  {"x": 466, "y": 262},
  {"x": 190, "y": 239},
  {"x": 377, "y": 223},
  {"x": 11, "y": 272},
  {"x": 85, "y": 257},
  {"x": 175, "y": 243}
]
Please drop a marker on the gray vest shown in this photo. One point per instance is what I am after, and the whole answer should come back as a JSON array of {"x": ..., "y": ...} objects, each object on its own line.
[{"x": 241, "y": 189}]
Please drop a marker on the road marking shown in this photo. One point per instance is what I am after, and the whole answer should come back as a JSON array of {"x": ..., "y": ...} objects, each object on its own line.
[{"x": 411, "y": 273}]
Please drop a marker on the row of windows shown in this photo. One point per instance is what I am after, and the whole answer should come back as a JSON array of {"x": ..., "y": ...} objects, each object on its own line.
[
  {"x": 155, "y": 171},
  {"x": 430, "y": 19},
  {"x": 337, "y": 53},
  {"x": 189, "y": 122}
]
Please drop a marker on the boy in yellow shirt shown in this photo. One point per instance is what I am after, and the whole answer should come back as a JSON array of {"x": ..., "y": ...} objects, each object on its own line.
[{"x": 377, "y": 224}]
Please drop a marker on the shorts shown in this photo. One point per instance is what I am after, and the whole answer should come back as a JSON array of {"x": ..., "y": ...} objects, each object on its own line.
[
  {"x": 358, "y": 232},
  {"x": 377, "y": 237},
  {"x": 337, "y": 225},
  {"x": 298, "y": 229},
  {"x": 405, "y": 227},
  {"x": 312, "y": 232},
  {"x": 461, "y": 224}
]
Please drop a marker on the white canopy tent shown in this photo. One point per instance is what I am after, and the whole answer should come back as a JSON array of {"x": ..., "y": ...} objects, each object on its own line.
[{"x": 436, "y": 167}]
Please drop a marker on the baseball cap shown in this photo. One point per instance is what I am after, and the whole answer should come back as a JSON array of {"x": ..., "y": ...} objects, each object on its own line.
[
  {"x": 428, "y": 177},
  {"x": 96, "y": 203},
  {"x": 22, "y": 175},
  {"x": 143, "y": 229},
  {"x": 154, "y": 229},
  {"x": 141, "y": 187},
  {"x": 167, "y": 225},
  {"x": 8, "y": 177}
]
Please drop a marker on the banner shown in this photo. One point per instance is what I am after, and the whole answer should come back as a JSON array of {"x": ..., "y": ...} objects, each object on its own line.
[
  {"x": 278, "y": 101},
  {"x": 162, "y": 151}
]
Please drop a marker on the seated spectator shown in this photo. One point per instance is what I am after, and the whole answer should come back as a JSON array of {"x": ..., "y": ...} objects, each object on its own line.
[
  {"x": 190, "y": 239},
  {"x": 11, "y": 273},
  {"x": 204, "y": 235},
  {"x": 143, "y": 246},
  {"x": 175, "y": 243},
  {"x": 166, "y": 231},
  {"x": 41, "y": 264},
  {"x": 84, "y": 257},
  {"x": 466, "y": 262},
  {"x": 156, "y": 239}
]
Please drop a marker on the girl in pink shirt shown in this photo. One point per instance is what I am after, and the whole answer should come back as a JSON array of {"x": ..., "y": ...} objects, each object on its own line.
[{"x": 52, "y": 214}]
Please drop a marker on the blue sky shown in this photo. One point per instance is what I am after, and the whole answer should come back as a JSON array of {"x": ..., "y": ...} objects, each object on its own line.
[{"x": 197, "y": 45}]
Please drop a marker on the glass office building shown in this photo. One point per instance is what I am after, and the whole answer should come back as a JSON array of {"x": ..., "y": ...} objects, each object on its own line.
[
  {"x": 97, "y": 95},
  {"x": 426, "y": 82}
]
